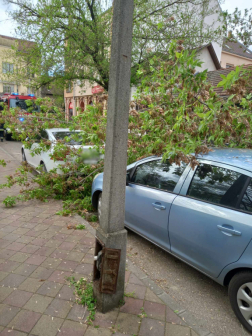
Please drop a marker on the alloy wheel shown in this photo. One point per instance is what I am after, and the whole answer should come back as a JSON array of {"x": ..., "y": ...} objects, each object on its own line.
[{"x": 244, "y": 301}]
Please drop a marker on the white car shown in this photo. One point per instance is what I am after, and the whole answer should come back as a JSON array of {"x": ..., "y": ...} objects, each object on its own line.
[{"x": 44, "y": 158}]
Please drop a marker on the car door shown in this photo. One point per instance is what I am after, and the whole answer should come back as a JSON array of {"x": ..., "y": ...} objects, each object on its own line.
[
  {"x": 36, "y": 159},
  {"x": 206, "y": 227},
  {"x": 149, "y": 195}
]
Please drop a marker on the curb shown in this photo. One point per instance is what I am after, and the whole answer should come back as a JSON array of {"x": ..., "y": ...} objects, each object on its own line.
[{"x": 195, "y": 323}]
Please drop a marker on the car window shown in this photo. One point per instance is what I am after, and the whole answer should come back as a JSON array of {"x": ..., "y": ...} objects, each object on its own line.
[
  {"x": 42, "y": 135},
  {"x": 246, "y": 202},
  {"x": 217, "y": 185},
  {"x": 74, "y": 139},
  {"x": 158, "y": 174}
]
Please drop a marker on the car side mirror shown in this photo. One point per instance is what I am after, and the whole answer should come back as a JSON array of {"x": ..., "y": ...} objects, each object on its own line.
[{"x": 127, "y": 179}]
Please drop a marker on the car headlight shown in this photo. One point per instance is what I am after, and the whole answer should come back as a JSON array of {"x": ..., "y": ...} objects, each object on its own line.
[{"x": 96, "y": 176}]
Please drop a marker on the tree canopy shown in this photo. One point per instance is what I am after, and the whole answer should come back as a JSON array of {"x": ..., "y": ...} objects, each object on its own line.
[{"x": 73, "y": 38}]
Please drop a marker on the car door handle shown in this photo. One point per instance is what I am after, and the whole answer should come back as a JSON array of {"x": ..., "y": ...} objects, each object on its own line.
[
  {"x": 158, "y": 206},
  {"x": 229, "y": 229}
]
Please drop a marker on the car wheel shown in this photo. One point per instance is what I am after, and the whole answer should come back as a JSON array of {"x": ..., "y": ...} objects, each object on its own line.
[
  {"x": 240, "y": 296},
  {"x": 43, "y": 167},
  {"x": 99, "y": 207},
  {"x": 23, "y": 156}
]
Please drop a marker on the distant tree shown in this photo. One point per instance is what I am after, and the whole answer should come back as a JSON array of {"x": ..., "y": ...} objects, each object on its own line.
[{"x": 73, "y": 37}]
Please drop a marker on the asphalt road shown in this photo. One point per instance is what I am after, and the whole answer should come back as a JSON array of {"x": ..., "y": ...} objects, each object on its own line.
[{"x": 194, "y": 291}]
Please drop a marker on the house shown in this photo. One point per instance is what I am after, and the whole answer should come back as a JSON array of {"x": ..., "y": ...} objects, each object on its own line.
[
  {"x": 9, "y": 65},
  {"x": 234, "y": 54}
]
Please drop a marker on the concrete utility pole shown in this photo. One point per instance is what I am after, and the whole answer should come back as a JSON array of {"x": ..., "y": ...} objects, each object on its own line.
[{"x": 111, "y": 232}]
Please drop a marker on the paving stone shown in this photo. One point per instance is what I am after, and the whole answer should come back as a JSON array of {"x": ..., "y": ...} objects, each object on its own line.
[
  {"x": 68, "y": 265},
  {"x": 155, "y": 310},
  {"x": 120, "y": 334},
  {"x": 3, "y": 275},
  {"x": 8, "y": 228},
  {"x": 68, "y": 246},
  {"x": 25, "y": 320},
  {"x": 42, "y": 273},
  {"x": 46, "y": 235},
  {"x": 51, "y": 263},
  {"x": 21, "y": 231},
  {"x": 7, "y": 313},
  {"x": 73, "y": 239},
  {"x": 77, "y": 313},
  {"x": 106, "y": 320},
  {"x": 47, "y": 326},
  {"x": 75, "y": 256},
  {"x": 20, "y": 257},
  {"x": 38, "y": 303},
  {"x": 128, "y": 323},
  {"x": 6, "y": 254},
  {"x": 24, "y": 240},
  {"x": 18, "y": 298},
  {"x": 127, "y": 275},
  {"x": 81, "y": 248},
  {"x": 5, "y": 292},
  {"x": 88, "y": 259},
  {"x": 35, "y": 260},
  {"x": 33, "y": 233},
  {"x": 173, "y": 318},
  {"x": 87, "y": 241},
  {"x": 45, "y": 251},
  {"x": 49, "y": 288},
  {"x": 71, "y": 328},
  {"x": 150, "y": 296},
  {"x": 53, "y": 243},
  {"x": 9, "y": 331},
  {"x": 9, "y": 265},
  {"x": 59, "y": 308},
  {"x": 11, "y": 237},
  {"x": 59, "y": 276},
  {"x": 66, "y": 293},
  {"x": 132, "y": 306},
  {"x": 134, "y": 280},
  {"x": 13, "y": 280},
  {"x": 84, "y": 269},
  {"x": 60, "y": 236},
  {"x": 150, "y": 327},
  {"x": 30, "y": 248},
  {"x": 59, "y": 254},
  {"x": 176, "y": 330},
  {"x": 4, "y": 243},
  {"x": 15, "y": 246},
  {"x": 139, "y": 291},
  {"x": 41, "y": 227},
  {"x": 25, "y": 269},
  {"x": 30, "y": 285},
  {"x": 97, "y": 332},
  {"x": 39, "y": 241}
]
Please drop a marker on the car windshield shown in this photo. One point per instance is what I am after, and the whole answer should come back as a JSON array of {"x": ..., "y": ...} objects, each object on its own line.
[
  {"x": 73, "y": 137},
  {"x": 22, "y": 104}
]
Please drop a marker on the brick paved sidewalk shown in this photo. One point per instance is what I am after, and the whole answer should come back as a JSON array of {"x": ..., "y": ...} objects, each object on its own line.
[{"x": 38, "y": 253}]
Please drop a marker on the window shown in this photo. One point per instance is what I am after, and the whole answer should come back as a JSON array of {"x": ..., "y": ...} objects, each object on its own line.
[
  {"x": 158, "y": 174},
  {"x": 217, "y": 185},
  {"x": 74, "y": 137},
  {"x": 8, "y": 88},
  {"x": 7, "y": 67},
  {"x": 246, "y": 202},
  {"x": 42, "y": 135},
  {"x": 229, "y": 66}
]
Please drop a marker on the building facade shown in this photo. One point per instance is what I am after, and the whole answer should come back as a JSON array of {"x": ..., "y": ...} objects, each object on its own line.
[{"x": 234, "y": 54}]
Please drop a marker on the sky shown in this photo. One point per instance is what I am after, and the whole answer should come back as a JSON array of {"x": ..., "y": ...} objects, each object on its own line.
[{"x": 7, "y": 26}]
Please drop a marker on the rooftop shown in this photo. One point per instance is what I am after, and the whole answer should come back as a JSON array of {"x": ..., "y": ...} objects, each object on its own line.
[{"x": 236, "y": 48}]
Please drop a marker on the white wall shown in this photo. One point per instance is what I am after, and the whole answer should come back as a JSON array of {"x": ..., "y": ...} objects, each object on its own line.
[{"x": 204, "y": 56}]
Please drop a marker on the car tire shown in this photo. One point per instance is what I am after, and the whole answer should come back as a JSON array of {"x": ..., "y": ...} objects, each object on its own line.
[
  {"x": 23, "y": 156},
  {"x": 240, "y": 296},
  {"x": 99, "y": 207}
]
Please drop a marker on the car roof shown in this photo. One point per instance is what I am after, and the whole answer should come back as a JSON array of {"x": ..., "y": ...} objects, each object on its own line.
[
  {"x": 241, "y": 158},
  {"x": 60, "y": 130}
]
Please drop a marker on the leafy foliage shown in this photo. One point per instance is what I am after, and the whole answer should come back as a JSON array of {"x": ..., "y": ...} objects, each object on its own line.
[
  {"x": 176, "y": 113},
  {"x": 9, "y": 201}
]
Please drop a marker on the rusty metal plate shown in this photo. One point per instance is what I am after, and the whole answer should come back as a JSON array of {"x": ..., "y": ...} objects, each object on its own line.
[{"x": 109, "y": 270}]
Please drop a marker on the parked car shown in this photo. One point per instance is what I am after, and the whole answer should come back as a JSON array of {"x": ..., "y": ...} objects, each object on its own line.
[
  {"x": 44, "y": 158},
  {"x": 203, "y": 216}
]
